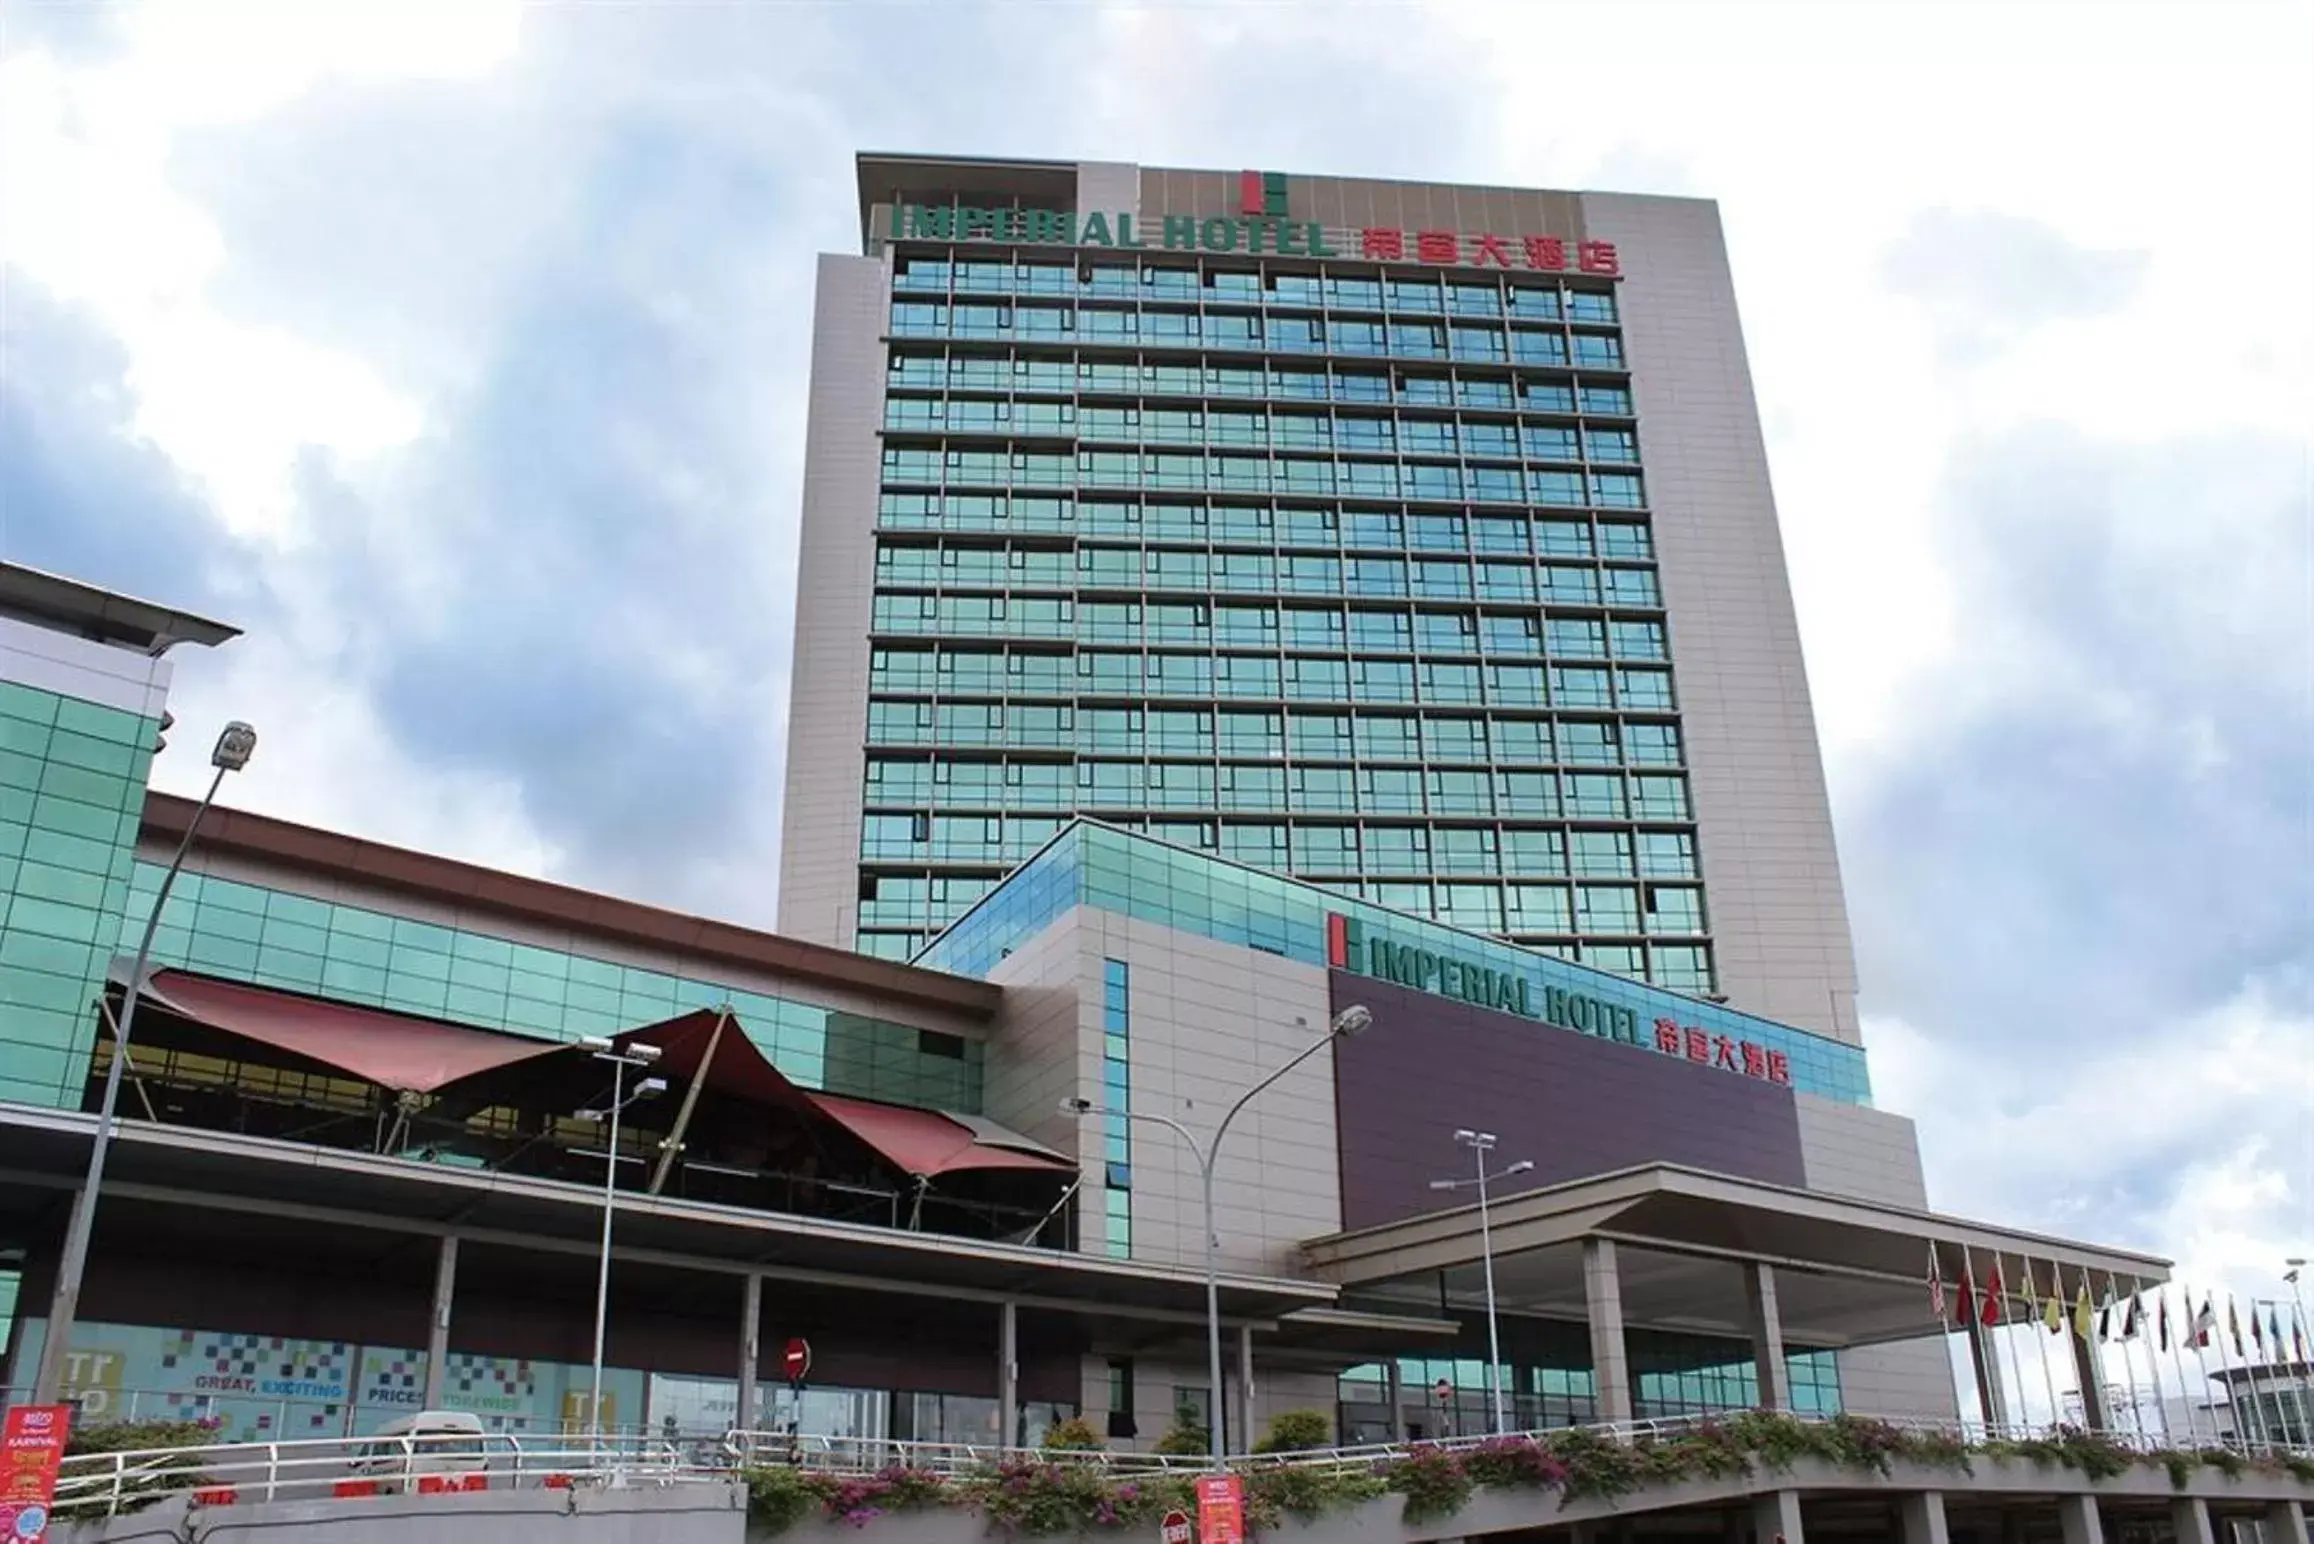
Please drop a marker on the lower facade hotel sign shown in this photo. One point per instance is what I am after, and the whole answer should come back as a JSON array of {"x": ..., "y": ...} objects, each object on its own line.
[{"x": 1352, "y": 946}]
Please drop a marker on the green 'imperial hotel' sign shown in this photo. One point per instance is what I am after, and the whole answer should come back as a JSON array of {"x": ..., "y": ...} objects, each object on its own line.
[{"x": 1176, "y": 232}]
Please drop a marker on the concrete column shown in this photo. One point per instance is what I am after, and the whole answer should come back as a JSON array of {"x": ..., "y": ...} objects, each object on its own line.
[
  {"x": 1992, "y": 1399},
  {"x": 1245, "y": 1432},
  {"x": 1603, "y": 1296},
  {"x": 2189, "y": 1518},
  {"x": 2285, "y": 1523},
  {"x": 1395, "y": 1395},
  {"x": 1776, "y": 1517},
  {"x": 2090, "y": 1368},
  {"x": 1920, "y": 1518},
  {"x": 750, "y": 1349},
  {"x": 2079, "y": 1518},
  {"x": 1767, "y": 1336},
  {"x": 1008, "y": 1374},
  {"x": 438, "y": 1326}
]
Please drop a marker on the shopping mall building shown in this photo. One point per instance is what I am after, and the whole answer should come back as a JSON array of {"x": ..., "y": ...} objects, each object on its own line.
[
  {"x": 350, "y": 1182},
  {"x": 1226, "y": 599}
]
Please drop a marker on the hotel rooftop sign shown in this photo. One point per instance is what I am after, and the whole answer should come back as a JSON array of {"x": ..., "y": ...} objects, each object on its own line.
[{"x": 1259, "y": 226}]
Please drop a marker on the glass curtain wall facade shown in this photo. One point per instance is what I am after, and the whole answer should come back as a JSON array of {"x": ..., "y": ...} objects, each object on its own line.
[
  {"x": 1333, "y": 568},
  {"x": 1548, "y": 1382}
]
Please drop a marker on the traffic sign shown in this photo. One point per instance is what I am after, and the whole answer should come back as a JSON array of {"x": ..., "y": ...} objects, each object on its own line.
[
  {"x": 796, "y": 1360},
  {"x": 1174, "y": 1529},
  {"x": 1443, "y": 1391}
]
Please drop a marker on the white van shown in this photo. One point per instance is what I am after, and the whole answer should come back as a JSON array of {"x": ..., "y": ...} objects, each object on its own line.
[{"x": 446, "y": 1450}]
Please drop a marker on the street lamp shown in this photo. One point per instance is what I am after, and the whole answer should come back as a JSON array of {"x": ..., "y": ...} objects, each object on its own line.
[
  {"x": 1480, "y": 1144},
  {"x": 2297, "y": 1264},
  {"x": 634, "y": 1055},
  {"x": 1348, "y": 1022},
  {"x": 231, "y": 754}
]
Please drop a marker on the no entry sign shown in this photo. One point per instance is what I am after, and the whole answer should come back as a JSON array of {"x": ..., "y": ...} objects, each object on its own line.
[
  {"x": 795, "y": 1359},
  {"x": 1174, "y": 1529}
]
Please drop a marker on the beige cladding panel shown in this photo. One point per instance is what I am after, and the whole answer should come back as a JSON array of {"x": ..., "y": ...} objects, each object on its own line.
[
  {"x": 828, "y": 683},
  {"x": 1779, "y": 922}
]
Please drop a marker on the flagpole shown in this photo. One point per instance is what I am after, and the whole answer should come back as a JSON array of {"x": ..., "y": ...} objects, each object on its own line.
[
  {"x": 2239, "y": 1407},
  {"x": 2081, "y": 1324},
  {"x": 2201, "y": 1357},
  {"x": 2016, "y": 1364},
  {"x": 1995, "y": 1404},
  {"x": 2291, "y": 1383},
  {"x": 2246, "y": 1384},
  {"x": 2177, "y": 1365},
  {"x": 2305, "y": 1373},
  {"x": 2048, "y": 1376},
  {"x": 2148, "y": 1332},
  {"x": 1938, "y": 1307},
  {"x": 2137, "y": 1302},
  {"x": 2128, "y": 1373},
  {"x": 2270, "y": 1401}
]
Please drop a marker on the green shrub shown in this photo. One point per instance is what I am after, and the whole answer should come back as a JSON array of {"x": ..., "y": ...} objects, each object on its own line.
[
  {"x": 1433, "y": 1482},
  {"x": 1187, "y": 1437},
  {"x": 1295, "y": 1431},
  {"x": 1075, "y": 1435}
]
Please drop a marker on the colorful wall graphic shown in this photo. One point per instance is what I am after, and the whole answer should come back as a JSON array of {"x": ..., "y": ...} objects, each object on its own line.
[{"x": 267, "y": 1387}]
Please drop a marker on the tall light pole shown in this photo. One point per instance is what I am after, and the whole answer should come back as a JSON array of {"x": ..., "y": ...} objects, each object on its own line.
[
  {"x": 1346, "y": 1023},
  {"x": 1481, "y": 1143},
  {"x": 2298, "y": 1326},
  {"x": 230, "y": 755},
  {"x": 634, "y": 1055}
]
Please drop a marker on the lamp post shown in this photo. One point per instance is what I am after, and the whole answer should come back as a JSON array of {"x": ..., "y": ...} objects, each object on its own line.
[
  {"x": 231, "y": 754},
  {"x": 1481, "y": 1143},
  {"x": 1346, "y": 1023},
  {"x": 633, "y": 1055},
  {"x": 2305, "y": 1375}
]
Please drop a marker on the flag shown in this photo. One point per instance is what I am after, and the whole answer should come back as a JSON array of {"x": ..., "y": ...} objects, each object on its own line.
[
  {"x": 2105, "y": 1320},
  {"x": 2084, "y": 1317},
  {"x": 2129, "y": 1319},
  {"x": 2053, "y": 1306},
  {"x": 2032, "y": 1294},
  {"x": 1992, "y": 1303},
  {"x": 2233, "y": 1325},
  {"x": 1936, "y": 1303},
  {"x": 1968, "y": 1301},
  {"x": 2298, "y": 1336},
  {"x": 2205, "y": 1324},
  {"x": 2257, "y": 1333},
  {"x": 2274, "y": 1329},
  {"x": 2161, "y": 1324}
]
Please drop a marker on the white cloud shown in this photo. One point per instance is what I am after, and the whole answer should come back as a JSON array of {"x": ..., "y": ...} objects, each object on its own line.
[
  {"x": 2187, "y": 1139},
  {"x": 93, "y": 217},
  {"x": 1829, "y": 134}
]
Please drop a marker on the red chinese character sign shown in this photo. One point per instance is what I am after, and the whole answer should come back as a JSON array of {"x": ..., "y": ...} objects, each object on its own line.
[
  {"x": 31, "y": 1448},
  {"x": 1543, "y": 254},
  {"x": 1220, "y": 1509},
  {"x": 1725, "y": 1052}
]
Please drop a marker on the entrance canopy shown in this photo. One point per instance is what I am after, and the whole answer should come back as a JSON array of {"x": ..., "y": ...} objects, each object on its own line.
[{"x": 1848, "y": 1271}]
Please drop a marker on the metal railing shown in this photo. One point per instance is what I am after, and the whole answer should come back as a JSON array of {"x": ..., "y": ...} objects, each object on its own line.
[
  {"x": 351, "y": 1467},
  {"x": 224, "y": 1473}
]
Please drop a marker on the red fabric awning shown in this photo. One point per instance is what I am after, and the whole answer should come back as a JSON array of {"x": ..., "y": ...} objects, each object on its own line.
[
  {"x": 921, "y": 1142},
  {"x": 399, "y": 1051},
  {"x": 740, "y": 1068},
  {"x": 393, "y": 1050},
  {"x": 927, "y": 1143}
]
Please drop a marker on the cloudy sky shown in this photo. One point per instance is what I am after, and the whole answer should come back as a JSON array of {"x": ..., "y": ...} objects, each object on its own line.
[{"x": 458, "y": 353}]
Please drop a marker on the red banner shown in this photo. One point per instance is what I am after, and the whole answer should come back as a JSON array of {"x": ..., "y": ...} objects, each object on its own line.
[
  {"x": 1220, "y": 1509},
  {"x": 31, "y": 1448}
]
